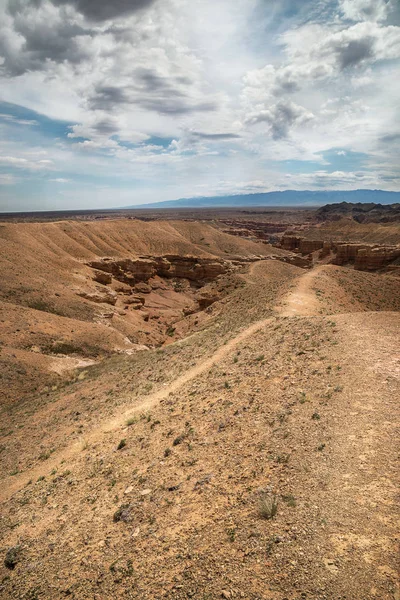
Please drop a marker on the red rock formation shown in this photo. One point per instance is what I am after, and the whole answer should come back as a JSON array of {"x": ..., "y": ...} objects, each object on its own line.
[
  {"x": 290, "y": 243},
  {"x": 346, "y": 253},
  {"x": 309, "y": 246},
  {"x": 366, "y": 257},
  {"x": 133, "y": 271},
  {"x": 373, "y": 259},
  {"x": 294, "y": 243}
]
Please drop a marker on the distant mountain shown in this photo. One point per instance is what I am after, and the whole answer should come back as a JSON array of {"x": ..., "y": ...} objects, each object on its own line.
[{"x": 285, "y": 198}]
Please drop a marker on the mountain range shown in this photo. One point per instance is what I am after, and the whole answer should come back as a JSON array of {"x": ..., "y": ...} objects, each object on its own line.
[{"x": 277, "y": 198}]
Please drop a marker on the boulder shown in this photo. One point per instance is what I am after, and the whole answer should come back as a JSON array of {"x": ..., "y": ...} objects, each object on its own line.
[
  {"x": 207, "y": 297},
  {"x": 132, "y": 299},
  {"x": 142, "y": 288},
  {"x": 100, "y": 295},
  {"x": 102, "y": 277}
]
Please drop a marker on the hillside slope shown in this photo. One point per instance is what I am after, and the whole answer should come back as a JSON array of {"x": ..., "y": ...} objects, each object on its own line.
[
  {"x": 158, "y": 475},
  {"x": 57, "y": 313}
]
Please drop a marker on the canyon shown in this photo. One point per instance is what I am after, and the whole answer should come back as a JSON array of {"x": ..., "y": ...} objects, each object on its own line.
[{"x": 190, "y": 411}]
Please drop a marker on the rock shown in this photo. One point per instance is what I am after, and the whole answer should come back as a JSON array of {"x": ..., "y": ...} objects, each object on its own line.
[
  {"x": 207, "y": 297},
  {"x": 365, "y": 257},
  {"x": 346, "y": 253},
  {"x": 145, "y": 492},
  {"x": 143, "y": 288},
  {"x": 102, "y": 277},
  {"x": 100, "y": 295},
  {"x": 129, "y": 489},
  {"x": 373, "y": 259},
  {"x": 12, "y": 557},
  {"x": 123, "y": 513},
  {"x": 107, "y": 315},
  {"x": 296, "y": 260},
  {"x": 225, "y": 594},
  {"x": 135, "y": 300},
  {"x": 136, "y": 348}
]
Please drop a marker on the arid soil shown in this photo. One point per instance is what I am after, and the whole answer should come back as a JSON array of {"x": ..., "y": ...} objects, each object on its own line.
[
  {"x": 249, "y": 455},
  {"x": 55, "y": 315}
]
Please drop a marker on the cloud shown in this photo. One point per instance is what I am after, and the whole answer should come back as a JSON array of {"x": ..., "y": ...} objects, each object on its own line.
[
  {"x": 391, "y": 137},
  {"x": 95, "y": 10},
  {"x": 216, "y": 137},
  {"x": 14, "y": 121},
  {"x": 102, "y": 10},
  {"x": 365, "y": 10},
  {"x": 60, "y": 180},
  {"x": 34, "y": 37},
  {"x": 355, "y": 51},
  {"x": 19, "y": 162},
  {"x": 281, "y": 117}
]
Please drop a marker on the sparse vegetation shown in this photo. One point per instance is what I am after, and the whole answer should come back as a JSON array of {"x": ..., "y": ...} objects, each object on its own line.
[{"x": 268, "y": 505}]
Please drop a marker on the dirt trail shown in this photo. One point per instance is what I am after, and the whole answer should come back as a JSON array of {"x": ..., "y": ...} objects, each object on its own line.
[
  {"x": 15, "y": 483},
  {"x": 300, "y": 301}
]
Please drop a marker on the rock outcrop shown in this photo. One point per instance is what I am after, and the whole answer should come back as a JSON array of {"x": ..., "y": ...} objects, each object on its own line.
[
  {"x": 301, "y": 245},
  {"x": 364, "y": 257},
  {"x": 102, "y": 277},
  {"x": 253, "y": 229},
  {"x": 373, "y": 259},
  {"x": 101, "y": 295},
  {"x": 347, "y": 253},
  {"x": 296, "y": 260},
  {"x": 207, "y": 297},
  {"x": 136, "y": 270}
]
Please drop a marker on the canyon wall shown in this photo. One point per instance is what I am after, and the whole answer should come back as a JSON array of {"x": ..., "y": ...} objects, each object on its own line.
[
  {"x": 132, "y": 271},
  {"x": 365, "y": 257}
]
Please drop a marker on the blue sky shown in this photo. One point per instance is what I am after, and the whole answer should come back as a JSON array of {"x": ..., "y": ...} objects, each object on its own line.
[{"x": 110, "y": 104}]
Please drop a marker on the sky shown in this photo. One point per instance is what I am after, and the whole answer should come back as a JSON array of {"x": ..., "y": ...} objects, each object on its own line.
[{"x": 113, "y": 103}]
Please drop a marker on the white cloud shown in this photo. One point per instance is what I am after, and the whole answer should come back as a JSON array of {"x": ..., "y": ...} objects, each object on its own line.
[
  {"x": 24, "y": 163},
  {"x": 369, "y": 10},
  {"x": 10, "y": 119}
]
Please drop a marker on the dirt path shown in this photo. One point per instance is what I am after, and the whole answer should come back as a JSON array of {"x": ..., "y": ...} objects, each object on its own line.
[
  {"x": 15, "y": 483},
  {"x": 360, "y": 479},
  {"x": 302, "y": 301}
]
